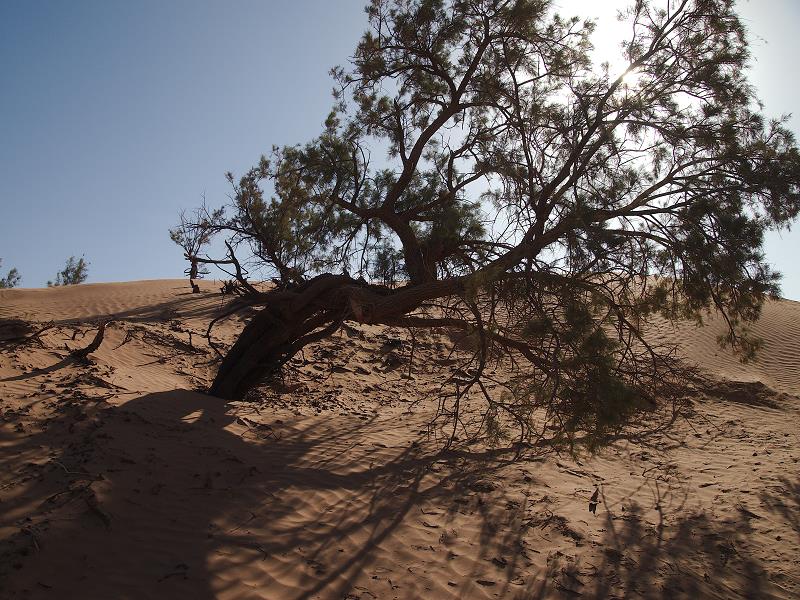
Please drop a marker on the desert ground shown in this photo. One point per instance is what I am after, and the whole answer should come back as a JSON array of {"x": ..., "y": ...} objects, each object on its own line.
[{"x": 119, "y": 478}]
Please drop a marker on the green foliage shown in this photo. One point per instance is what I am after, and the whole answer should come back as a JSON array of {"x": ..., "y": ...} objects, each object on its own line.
[
  {"x": 387, "y": 265},
  {"x": 73, "y": 273},
  {"x": 12, "y": 278},
  {"x": 193, "y": 233},
  {"x": 549, "y": 206}
]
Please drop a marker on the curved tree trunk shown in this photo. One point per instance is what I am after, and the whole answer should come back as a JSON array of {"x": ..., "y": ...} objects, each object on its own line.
[
  {"x": 265, "y": 344},
  {"x": 249, "y": 359},
  {"x": 277, "y": 332},
  {"x": 295, "y": 317}
]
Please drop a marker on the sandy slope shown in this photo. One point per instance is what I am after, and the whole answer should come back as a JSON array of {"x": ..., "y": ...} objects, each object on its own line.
[{"x": 117, "y": 480}]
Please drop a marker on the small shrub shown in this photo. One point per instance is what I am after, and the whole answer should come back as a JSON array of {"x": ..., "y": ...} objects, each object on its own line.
[
  {"x": 74, "y": 272},
  {"x": 12, "y": 278}
]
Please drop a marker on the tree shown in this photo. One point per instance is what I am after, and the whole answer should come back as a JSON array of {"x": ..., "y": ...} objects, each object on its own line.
[
  {"x": 12, "y": 278},
  {"x": 192, "y": 234},
  {"x": 545, "y": 208},
  {"x": 73, "y": 273}
]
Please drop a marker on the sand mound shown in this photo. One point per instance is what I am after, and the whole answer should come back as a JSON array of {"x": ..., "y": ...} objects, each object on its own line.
[
  {"x": 119, "y": 479},
  {"x": 777, "y": 365}
]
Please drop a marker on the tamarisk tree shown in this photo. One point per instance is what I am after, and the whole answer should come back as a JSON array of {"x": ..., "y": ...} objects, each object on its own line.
[
  {"x": 479, "y": 173},
  {"x": 73, "y": 273},
  {"x": 192, "y": 234},
  {"x": 11, "y": 279}
]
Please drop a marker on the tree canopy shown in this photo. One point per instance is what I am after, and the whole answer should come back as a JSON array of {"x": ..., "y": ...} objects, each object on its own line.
[
  {"x": 12, "y": 278},
  {"x": 478, "y": 172},
  {"x": 75, "y": 271}
]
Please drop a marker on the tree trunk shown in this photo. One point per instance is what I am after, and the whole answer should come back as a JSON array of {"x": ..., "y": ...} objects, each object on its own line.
[
  {"x": 278, "y": 332},
  {"x": 293, "y": 318},
  {"x": 264, "y": 345}
]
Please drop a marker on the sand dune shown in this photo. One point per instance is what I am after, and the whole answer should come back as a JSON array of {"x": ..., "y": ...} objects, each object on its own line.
[
  {"x": 119, "y": 479},
  {"x": 776, "y": 365}
]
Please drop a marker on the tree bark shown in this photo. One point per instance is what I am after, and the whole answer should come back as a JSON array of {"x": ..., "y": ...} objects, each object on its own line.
[
  {"x": 259, "y": 352},
  {"x": 83, "y": 353},
  {"x": 295, "y": 317},
  {"x": 289, "y": 321}
]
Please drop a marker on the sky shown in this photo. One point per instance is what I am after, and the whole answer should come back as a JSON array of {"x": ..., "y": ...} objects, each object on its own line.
[{"x": 115, "y": 115}]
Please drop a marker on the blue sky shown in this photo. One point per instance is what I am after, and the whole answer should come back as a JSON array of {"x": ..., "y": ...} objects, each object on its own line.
[{"x": 114, "y": 115}]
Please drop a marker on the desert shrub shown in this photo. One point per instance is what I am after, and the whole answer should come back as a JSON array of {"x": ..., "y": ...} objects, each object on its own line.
[
  {"x": 73, "y": 273},
  {"x": 12, "y": 278}
]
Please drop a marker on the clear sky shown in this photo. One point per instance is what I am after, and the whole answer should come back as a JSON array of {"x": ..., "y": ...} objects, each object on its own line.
[{"x": 114, "y": 115}]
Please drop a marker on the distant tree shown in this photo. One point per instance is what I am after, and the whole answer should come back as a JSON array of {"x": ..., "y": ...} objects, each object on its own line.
[
  {"x": 12, "y": 278},
  {"x": 73, "y": 273},
  {"x": 194, "y": 231},
  {"x": 543, "y": 207}
]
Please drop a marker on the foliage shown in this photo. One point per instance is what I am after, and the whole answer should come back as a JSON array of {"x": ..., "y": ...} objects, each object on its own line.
[
  {"x": 12, "y": 278},
  {"x": 73, "y": 273},
  {"x": 546, "y": 207},
  {"x": 192, "y": 234}
]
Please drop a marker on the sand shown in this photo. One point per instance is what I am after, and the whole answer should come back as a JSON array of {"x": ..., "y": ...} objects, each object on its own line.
[{"x": 120, "y": 479}]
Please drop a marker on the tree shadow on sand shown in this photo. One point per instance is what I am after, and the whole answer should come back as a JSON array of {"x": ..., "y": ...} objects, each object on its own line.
[
  {"x": 693, "y": 555},
  {"x": 784, "y": 502},
  {"x": 173, "y": 495}
]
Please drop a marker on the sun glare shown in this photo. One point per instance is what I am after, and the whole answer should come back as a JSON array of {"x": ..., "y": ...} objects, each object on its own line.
[{"x": 632, "y": 79}]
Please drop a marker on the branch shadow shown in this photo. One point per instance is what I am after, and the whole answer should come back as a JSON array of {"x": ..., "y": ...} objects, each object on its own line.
[
  {"x": 64, "y": 362},
  {"x": 175, "y": 494},
  {"x": 784, "y": 502},
  {"x": 165, "y": 496},
  {"x": 684, "y": 555}
]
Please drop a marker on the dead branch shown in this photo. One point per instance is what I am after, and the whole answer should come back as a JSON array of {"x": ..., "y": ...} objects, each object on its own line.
[{"x": 83, "y": 353}]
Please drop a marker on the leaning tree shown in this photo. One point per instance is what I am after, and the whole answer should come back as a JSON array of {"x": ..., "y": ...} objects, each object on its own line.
[{"x": 480, "y": 173}]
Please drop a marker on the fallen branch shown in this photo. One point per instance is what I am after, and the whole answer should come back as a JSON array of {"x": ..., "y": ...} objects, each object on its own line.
[{"x": 83, "y": 353}]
